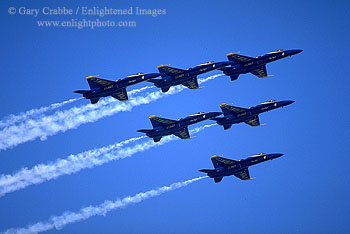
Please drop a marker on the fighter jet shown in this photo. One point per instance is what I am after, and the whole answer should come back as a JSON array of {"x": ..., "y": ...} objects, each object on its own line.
[
  {"x": 233, "y": 114},
  {"x": 226, "y": 167},
  {"x": 163, "y": 127},
  {"x": 117, "y": 89},
  {"x": 174, "y": 76},
  {"x": 257, "y": 66}
]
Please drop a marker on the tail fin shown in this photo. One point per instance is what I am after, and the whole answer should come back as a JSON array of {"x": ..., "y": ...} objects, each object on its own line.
[
  {"x": 94, "y": 100},
  {"x": 218, "y": 179}
]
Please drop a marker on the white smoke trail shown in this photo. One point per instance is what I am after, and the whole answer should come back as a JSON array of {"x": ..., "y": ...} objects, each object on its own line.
[
  {"x": 74, "y": 163},
  {"x": 62, "y": 121},
  {"x": 13, "y": 119},
  {"x": 69, "y": 217}
]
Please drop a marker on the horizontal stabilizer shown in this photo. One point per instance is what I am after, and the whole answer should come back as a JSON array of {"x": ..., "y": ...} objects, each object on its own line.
[
  {"x": 145, "y": 130},
  {"x": 82, "y": 91},
  {"x": 207, "y": 170}
]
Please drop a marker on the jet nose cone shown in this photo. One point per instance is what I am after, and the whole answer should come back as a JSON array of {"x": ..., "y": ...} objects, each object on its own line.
[
  {"x": 275, "y": 155},
  {"x": 292, "y": 52},
  {"x": 285, "y": 103}
]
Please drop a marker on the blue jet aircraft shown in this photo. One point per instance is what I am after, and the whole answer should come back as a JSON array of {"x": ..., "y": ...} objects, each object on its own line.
[
  {"x": 164, "y": 127},
  {"x": 174, "y": 76},
  {"x": 226, "y": 167},
  {"x": 257, "y": 66},
  {"x": 117, "y": 89},
  {"x": 233, "y": 114}
]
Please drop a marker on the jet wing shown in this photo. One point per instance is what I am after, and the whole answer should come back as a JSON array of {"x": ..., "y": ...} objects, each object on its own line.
[
  {"x": 254, "y": 122},
  {"x": 160, "y": 122},
  {"x": 260, "y": 72},
  {"x": 95, "y": 82},
  {"x": 170, "y": 71},
  {"x": 222, "y": 162},
  {"x": 121, "y": 95},
  {"x": 239, "y": 58},
  {"x": 227, "y": 109},
  {"x": 192, "y": 83},
  {"x": 183, "y": 134},
  {"x": 242, "y": 174}
]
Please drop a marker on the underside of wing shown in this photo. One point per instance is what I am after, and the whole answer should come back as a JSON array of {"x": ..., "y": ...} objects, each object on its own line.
[
  {"x": 121, "y": 95},
  {"x": 243, "y": 174},
  {"x": 254, "y": 122},
  {"x": 158, "y": 121},
  {"x": 222, "y": 162},
  {"x": 95, "y": 82},
  {"x": 192, "y": 83},
  {"x": 170, "y": 71},
  {"x": 183, "y": 134},
  {"x": 227, "y": 109},
  {"x": 239, "y": 58},
  {"x": 260, "y": 72}
]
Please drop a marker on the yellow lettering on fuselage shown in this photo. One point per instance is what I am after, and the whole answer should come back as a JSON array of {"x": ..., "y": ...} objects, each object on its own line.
[
  {"x": 179, "y": 76},
  {"x": 170, "y": 126},
  {"x": 241, "y": 114},
  {"x": 108, "y": 87},
  {"x": 132, "y": 81},
  {"x": 248, "y": 64},
  {"x": 233, "y": 166},
  {"x": 265, "y": 108}
]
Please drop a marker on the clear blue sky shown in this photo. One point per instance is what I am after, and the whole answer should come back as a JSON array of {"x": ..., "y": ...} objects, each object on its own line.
[{"x": 306, "y": 191}]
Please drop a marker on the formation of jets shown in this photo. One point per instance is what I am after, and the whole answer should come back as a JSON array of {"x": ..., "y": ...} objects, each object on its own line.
[{"x": 170, "y": 76}]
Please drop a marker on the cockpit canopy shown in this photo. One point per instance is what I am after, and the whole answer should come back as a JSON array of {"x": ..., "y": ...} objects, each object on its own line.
[
  {"x": 275, "y": 52},
  {"x": 207, "y": 63},
  {"x": 257, "y": 155},
  {"x": 268, "y": 102},
  {"x": 199, "y": 113},
  {"x": 137, "y": 74}
]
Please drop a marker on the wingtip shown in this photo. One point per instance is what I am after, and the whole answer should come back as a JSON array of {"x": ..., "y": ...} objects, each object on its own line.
[{"x": 229, "y": 54}]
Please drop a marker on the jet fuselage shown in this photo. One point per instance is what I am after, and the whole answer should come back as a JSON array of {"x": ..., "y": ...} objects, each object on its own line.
[
  {"x": 107, "y": 89},
  {"x": 180, "y": 124},
  {"x": 242, "y": 164},
  {"x": 169, "y": 80},
  {"x": 246, "y": 67},
  {"x": 251, "y": 112}
]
